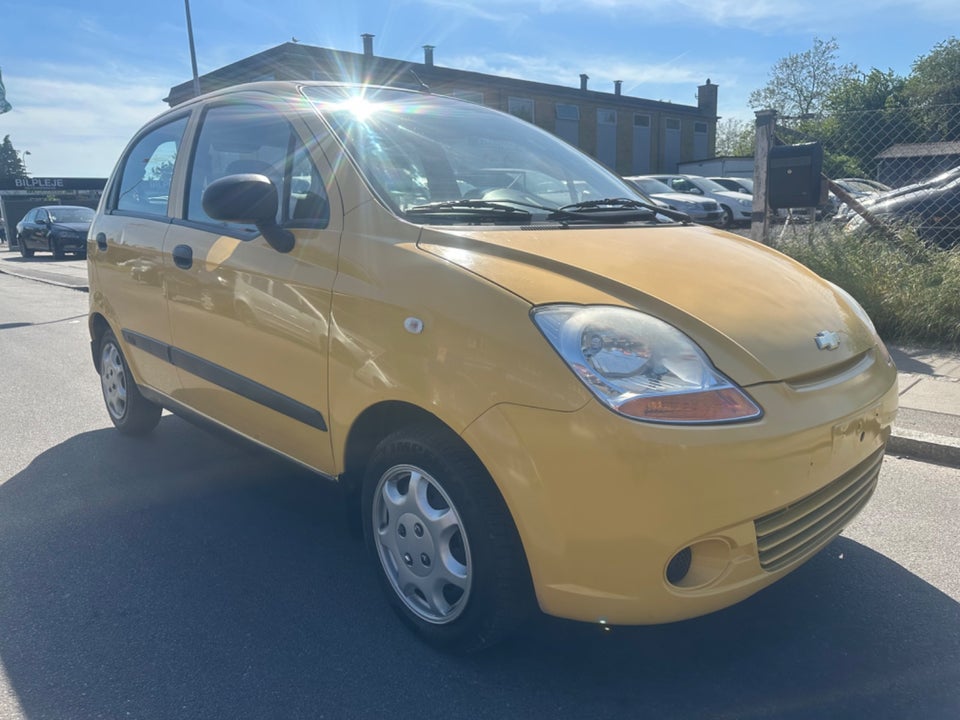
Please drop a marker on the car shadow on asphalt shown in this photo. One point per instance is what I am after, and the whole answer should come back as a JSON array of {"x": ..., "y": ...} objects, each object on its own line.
[
  {"x": 907, "y": 363},
  {"x": 182, "y": 576}
]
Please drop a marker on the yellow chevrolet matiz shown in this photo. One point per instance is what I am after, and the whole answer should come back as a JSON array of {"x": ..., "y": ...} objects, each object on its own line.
[{"x": 537, "y": 390}]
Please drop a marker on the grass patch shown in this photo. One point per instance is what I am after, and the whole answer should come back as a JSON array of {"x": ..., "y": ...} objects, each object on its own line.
[{"x": 911, "y": 291}]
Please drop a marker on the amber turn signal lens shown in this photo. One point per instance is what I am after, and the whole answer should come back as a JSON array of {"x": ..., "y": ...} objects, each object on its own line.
[{"x": 706, "y": 406}]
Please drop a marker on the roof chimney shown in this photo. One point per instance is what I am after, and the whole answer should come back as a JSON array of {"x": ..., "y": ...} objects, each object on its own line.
[
  {"x": 428, "y": 55},
  {"x": 707, "y": 99},
  {"x": 617, "y": 86},
  {"x": 583, "y": 81},
  {"x": 367, "y": 45}
]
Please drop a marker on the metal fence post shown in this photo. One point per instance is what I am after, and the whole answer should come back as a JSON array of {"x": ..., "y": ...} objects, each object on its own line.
[{"x": 766, "y": 126}]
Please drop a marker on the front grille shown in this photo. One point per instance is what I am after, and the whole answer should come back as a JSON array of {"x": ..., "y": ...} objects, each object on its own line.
[{"x": 800, "y": 529}]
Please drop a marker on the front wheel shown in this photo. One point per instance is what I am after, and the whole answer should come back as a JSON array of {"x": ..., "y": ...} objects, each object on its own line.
[
  {"x": 448, "y": 553},
  {"x": 131, "y": 412},
  {"x": 24, "y": 251},
  {"x": 727, "y": 221}
]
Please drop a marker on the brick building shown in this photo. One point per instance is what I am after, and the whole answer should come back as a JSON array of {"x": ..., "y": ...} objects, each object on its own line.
[{"x": 631, "y": 135}]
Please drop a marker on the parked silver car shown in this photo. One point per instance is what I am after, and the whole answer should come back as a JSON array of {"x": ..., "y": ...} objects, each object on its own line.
[
  {"x": 737, "y": 207},
  {"x": 705, "y": 212}
]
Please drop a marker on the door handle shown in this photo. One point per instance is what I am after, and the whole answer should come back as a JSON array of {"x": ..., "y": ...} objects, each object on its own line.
[
  {"x": 101, "y": 241},
  {"x": 183, "y": 256}
]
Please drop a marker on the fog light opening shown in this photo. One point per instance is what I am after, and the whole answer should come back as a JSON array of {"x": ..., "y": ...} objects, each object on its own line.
[
  {"x": 699, "y": 565},
  {"x": 679, "y": 566}
]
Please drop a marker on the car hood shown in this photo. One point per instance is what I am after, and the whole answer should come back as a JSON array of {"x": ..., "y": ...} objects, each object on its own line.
[
  {"x": 754, "y": 311},
  {"x": 731, "y": 195},
  {"x": 683, "y": 199}
]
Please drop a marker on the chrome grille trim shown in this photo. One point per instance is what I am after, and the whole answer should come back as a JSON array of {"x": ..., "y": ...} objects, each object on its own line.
[{"x": 800, "y": 529}]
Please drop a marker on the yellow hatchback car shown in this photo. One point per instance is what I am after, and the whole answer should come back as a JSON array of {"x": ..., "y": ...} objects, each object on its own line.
[{"x": 535, "y": 389}]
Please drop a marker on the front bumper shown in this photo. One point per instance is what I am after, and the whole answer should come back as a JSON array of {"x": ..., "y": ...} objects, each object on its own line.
[{"x": 603, "y": 504}]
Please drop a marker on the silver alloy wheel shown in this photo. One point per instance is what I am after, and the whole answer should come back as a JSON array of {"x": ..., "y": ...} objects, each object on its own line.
[
  {"x": 113, "y": 380},
  {"x": 422, "y": 544}
]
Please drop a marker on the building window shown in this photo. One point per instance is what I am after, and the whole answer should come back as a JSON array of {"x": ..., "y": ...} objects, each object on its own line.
[
  {"x": 606, "y": 117},
  {"x": 567, "y": 125},
  {"x": 701, "y": 144},
  {"x": 607, "y": 137},
  {"x": 642, "y": 146},
  {"x": 474, "y": 96},
  {"x": 521, "y": 107},
  {"x": 671, "y": 145}
]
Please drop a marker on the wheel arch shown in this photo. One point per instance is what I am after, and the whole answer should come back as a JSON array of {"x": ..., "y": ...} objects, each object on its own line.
[
  {"x": 98, "y": 325},
  {"x": 373, "y": 425}
]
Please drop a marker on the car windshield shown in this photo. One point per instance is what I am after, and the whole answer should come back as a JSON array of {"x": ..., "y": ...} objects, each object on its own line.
[
  {"x": 708, "y": 185},
  {"x": 71, "y": 215},
  {"x": 436, "y": 159},
  {"x": 651, "y": 186}
]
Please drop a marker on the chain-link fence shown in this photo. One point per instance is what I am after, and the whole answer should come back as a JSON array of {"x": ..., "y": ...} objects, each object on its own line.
[{"x": 897, "y": 169}]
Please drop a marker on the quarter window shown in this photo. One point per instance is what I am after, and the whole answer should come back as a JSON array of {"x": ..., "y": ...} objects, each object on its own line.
[{"x": 148, "y": 170}]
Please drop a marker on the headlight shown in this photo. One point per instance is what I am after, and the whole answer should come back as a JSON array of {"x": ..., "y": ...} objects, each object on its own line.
[
  {"x": 744, "y": 202},
  {"x": 642, "y": 367}
]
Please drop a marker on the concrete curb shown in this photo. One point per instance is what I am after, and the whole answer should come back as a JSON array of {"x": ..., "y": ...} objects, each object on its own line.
[
  {"x": 47, "y": 278},
  {"x": 923, "y": 446}
]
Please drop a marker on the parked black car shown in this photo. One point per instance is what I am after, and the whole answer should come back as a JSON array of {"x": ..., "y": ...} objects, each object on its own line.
[
  {"x": 58, "y": 229},
  {"x": 932, "y": 210}
]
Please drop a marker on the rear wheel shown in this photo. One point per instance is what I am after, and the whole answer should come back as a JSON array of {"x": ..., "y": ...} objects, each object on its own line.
[
  {"x": 448, "y": 554},
  {"x": 131, "y": 413}
]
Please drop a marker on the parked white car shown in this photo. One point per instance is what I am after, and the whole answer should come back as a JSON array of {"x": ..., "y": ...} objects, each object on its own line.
[
  {"x": 705, "y": 212},
  {"x": 736, "y": 184},
  {"x": 737, "y": 207}
]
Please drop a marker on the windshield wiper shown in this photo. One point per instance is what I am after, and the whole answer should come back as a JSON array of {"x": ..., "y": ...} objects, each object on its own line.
[
  {"x": 621, "y": 209},
  {"x": 469, "y": 212}
]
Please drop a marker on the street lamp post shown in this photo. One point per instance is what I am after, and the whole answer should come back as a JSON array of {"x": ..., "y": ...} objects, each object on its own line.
[{"x": 193, "y": 52}]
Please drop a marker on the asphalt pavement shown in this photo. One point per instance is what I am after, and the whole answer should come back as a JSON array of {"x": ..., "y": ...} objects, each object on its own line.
[{"x": 927, "y": 426}]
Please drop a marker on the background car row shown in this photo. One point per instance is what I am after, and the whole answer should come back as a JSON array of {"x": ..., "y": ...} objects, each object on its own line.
[{"x": 736, "y": 207}]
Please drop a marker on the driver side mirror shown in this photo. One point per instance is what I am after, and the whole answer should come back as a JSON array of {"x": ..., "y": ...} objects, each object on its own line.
[{"x": 248, "y": 198}]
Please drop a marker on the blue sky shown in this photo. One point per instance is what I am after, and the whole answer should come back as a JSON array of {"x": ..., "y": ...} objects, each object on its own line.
[{"x": 82, "y": 77}]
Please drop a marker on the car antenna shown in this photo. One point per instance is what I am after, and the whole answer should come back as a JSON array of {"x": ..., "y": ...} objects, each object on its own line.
[{"x": 423, "y": 86}]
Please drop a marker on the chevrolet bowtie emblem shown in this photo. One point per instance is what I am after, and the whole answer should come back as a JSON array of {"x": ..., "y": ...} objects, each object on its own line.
[{"x": 827, "y": 340}]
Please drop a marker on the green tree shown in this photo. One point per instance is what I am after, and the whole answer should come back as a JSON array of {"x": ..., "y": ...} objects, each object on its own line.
[
  {"x": 11, "y": 164},
  {"x": 800, "y": 83},
  {"x": 933, "y": 88},
  {"x": 867, "y": 114},
  {"x": 735, "y": 138}
]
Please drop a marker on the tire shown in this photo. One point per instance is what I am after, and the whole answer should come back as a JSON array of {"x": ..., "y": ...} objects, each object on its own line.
[
  {"x": 727, "y": 222},
  {"x": 448, "y": 554},
  {"x": 24, "y": 251},
  {"x": 131, "y": 413}
]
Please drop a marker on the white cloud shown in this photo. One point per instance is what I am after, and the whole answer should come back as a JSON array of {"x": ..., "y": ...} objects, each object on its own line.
[{"x": 78, "y": 128}]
